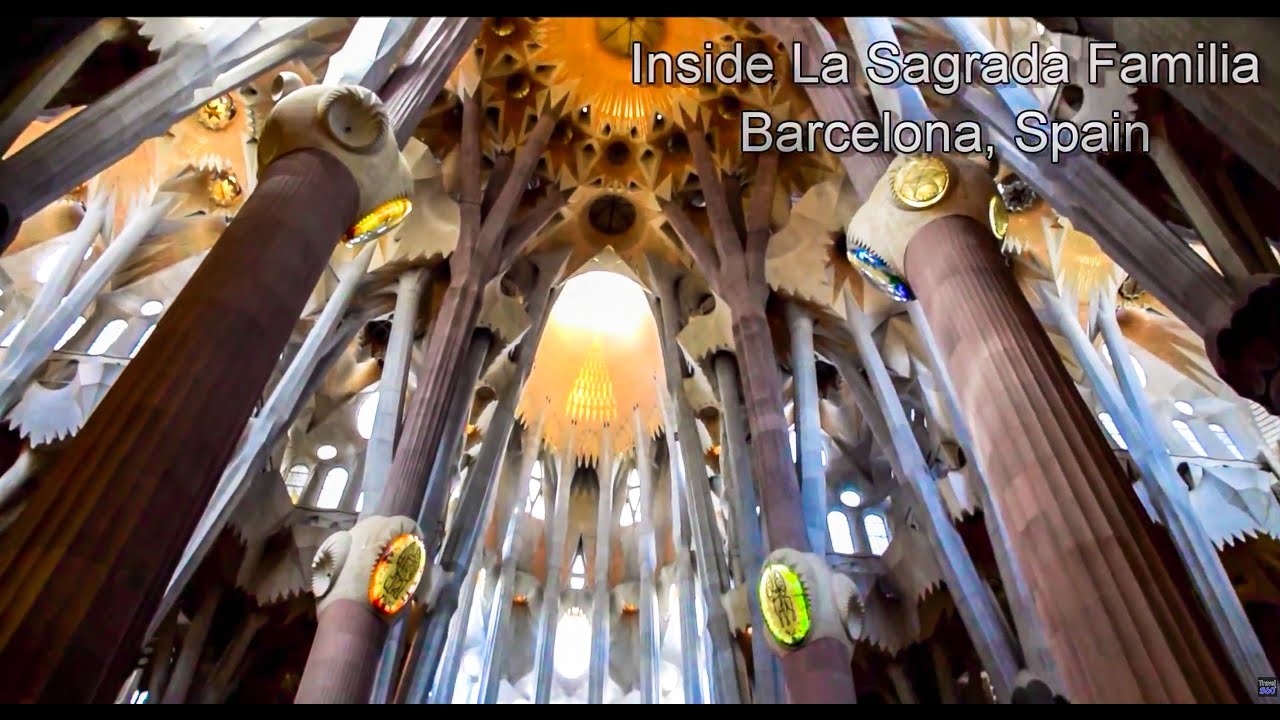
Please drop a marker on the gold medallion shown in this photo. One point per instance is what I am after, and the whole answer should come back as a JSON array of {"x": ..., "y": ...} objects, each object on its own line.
[
  {"x": 920, "y": 182},
  {"x": 998, "y": 216},
  {"x": 397, "y": 573},
  {"x": 224, "y": 188},
  {"x": 384, "y": 218},
  {"x": 218, "y": 113},
  {"x": 784, "y": 605}
]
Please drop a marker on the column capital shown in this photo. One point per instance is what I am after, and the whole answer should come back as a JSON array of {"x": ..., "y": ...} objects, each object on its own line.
[
  {"x": 350, "y": 123},
  {"x": 914, "y": 191}
]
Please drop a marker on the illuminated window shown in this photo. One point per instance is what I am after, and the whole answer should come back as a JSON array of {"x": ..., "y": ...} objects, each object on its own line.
[
  {"x": 877, "y": 532},
  {"x": 296, "y": 481},
  {"x": 851, "y": 498},
  {"x": 573, "y": 644},
  {"x": 1183, "y": 407},
  {"x": 534, "y": 504},
  {"x": 142, "y": 341},
  {"x": 838, "y": 528},
  {"x": 360, "y": 502},
  {"x": 791, "y": 435},
  {"x": 578, "y": 570},
  {"x": 364, "y": 416},
  {"x": 108, "y": 337},
  {"x": 139, "y": 697},
  {"x": 335, "y": 483},
  {"x": 1184, "y": 430},
  {"x": 631, "y": 507},
  {"x": 151, "y": 308},
  {"x": 1225, "y": 438},
  {"x": 70, "y": 333},
  {"x": 326, "y": 452},
  {"x": 1110, "y": 426}
]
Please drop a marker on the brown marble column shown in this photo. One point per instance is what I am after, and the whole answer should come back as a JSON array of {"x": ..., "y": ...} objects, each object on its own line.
[
  {"x": 83, "y": 568},
  {"x": 1118, "y": 626}
]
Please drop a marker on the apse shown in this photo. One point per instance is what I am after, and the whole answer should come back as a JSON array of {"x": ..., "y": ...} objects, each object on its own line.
[{"x": 597, "y": 365}]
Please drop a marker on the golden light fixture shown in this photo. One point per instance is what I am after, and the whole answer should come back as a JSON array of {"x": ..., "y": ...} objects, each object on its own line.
[
  {"x": 520, "y": 600},
  {"x": 397, "y": 573},
  {"x": 630, "y": 609},
  {"x": 921, "y": 182},
  {"x": 384, "y": 218},
  {"x": 503, "y": 26},
  {"x": 218, "y": 113},
  {"x": 591, "y": 399},
  {"x": 224, "y": 188},
  {"x": 715, "y": 450},
  {"x": 470, "y": 430}
]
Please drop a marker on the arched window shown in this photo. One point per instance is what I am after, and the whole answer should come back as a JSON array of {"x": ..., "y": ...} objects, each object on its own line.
[
  {"x": 850, "y": 498},
  {"x": 335, "y": 482},
  {"x": 151, "y": 308},
  {"x": 573, "y": 644},
  {"x": 534, "y": 504},
  {"x": 296, "y": 481},
  {"x": 108, "y": 336},
  {"x": 49, "y": 263},
  {"x": 838, "y": 528},
  {"x": 1184, "y": 430},
  {"x": 1110, "y": 426},
  {"x": 142, "y": 341},
  {"x": 877, "y": 532},
  {"x": 1225, "y": 438},
  {"x": 795, "y": 449},
  {"x": 578, "y": 570},
  {"x": 360, "y": 502},
  {"x": 326, "y": 452},
  {"x": 364, "y": 416},
  {"x": 631, "y": 507},
  {"x": 1183, "y": 407},
  {"x": 70, "y": 333}
]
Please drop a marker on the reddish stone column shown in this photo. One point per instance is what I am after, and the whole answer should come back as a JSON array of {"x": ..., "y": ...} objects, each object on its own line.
[
  {"x": 1119, "y": 627},
  {"x": 83, "y": 568}
]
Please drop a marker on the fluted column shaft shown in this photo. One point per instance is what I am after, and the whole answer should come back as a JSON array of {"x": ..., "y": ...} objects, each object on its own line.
[
  {"x": 813, "y": 476},
  {"x": 766, "y": 687},
  {"x": 600, "y": 606},
  {"x": 1118, "y": 628},
  {"x": 184, "y": 670},
  {"x": 391, "y": 387},
  {"x": 83, "y": 568},
  {"x": 556, "y": 546}
]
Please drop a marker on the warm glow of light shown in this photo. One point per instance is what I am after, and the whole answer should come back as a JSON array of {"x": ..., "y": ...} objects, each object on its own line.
[
  {"x": 397, "y": 573},
  {"x": 602, "y": 302}
]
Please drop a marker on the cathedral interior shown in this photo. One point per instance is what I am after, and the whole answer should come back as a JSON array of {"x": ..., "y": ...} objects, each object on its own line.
[{"x": 433, "y": 360}]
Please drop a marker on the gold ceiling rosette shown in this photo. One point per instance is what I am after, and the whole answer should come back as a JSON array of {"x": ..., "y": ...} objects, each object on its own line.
[{"x": 592, "y": 57}]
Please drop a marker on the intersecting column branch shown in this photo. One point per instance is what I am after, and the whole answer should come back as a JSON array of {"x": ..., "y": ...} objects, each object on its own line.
[{"x": 733, "y": 261}]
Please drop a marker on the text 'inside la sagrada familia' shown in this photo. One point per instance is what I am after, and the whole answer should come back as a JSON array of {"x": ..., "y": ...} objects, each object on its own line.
[{"x": 732, "y": 360}]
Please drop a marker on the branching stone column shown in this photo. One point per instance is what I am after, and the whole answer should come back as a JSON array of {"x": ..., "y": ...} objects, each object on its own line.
[
  {"x": 496, "y": 642},
  {"x": 392, "y": 386},
  {"x": 490, "y": 238},
  {"x": 648, "y": 615},
  {"x": 1113, "y": 618},
  {"x": 767, "y": 686},
  {"x": 103, "y": 532},
  {"x": 813, "y": 475},
  {"x": 600, "y": 604},
  {"x": 184, "y": 669},
  {"x": 689, "y": 479},
  {"x": 544, "y": 659},
  {"x": 735, "y": 267}
]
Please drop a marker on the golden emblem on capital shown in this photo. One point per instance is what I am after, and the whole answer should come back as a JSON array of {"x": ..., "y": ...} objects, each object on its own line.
[
  {"x": 998, "y": 215},
  {"x": 397, "y": 573},
  {"x": 921, "y": 182}
]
